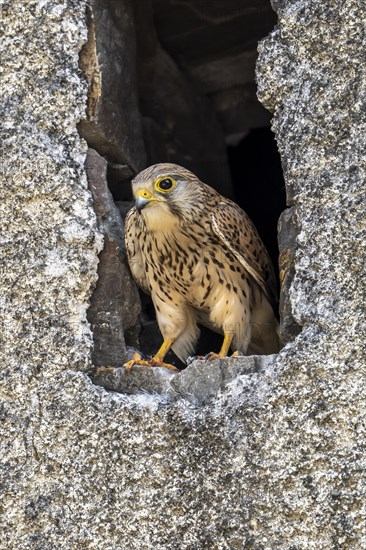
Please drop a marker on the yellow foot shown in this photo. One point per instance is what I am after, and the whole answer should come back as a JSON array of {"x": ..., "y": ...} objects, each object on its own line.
[
  {"x": 136, "y": 360},
  {"x": 154, "y": 362}
]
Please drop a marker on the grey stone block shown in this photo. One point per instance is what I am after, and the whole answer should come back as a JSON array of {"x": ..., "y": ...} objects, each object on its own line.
[
  {"x": 287, "y": 233},
  {"x": 201, "y": 383},
  {"x": 115, "y": 303},
  {"x": 139, "y": 380},
  {"x": 108, "y": 60}
]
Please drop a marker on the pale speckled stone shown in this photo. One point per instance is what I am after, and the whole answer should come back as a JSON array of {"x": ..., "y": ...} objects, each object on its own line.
[
  {"x": 278, "y": 460},
  {"x": 49, "y": 239}
]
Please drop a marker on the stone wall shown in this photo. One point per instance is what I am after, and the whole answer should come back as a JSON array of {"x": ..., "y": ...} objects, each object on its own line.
[{"x": 273, "y": 457}]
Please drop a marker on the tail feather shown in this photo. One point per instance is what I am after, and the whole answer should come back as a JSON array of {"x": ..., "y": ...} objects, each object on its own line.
[
  {"x": 265, "y": 338},
  {"x": 185, "y": 344}
]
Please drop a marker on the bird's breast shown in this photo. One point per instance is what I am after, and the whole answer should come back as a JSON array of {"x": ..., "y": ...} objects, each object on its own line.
[{"x": 191, "y": 267}]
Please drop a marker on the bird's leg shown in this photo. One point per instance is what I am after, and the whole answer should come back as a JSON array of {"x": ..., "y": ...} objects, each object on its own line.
[
  {"x": 228, "y": 338},
  {"x": 158, "y": 359}
]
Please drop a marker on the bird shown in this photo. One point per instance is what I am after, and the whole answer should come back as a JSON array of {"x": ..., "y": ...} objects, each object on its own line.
[{"x": 199, "y": 256}]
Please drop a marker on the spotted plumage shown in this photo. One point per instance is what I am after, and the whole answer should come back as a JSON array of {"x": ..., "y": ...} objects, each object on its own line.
[{"x": 201, "y": 259}]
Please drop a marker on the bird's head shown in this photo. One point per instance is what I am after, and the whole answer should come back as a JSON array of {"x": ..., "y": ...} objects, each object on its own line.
[{"x": 167, "y": 194}]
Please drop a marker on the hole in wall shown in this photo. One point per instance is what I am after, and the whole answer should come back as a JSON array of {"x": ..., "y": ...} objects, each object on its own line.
[
  {"x": 185, "y": 77},
  {"x": 258, "y": 187}
]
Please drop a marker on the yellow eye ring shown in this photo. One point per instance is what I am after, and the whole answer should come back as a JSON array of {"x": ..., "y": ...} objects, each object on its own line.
[{"x": 165, "y": 184}]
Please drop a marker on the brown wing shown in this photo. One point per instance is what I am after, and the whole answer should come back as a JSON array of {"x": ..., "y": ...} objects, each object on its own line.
[
  {"x": 133, "y": 250},
  {"x": 238, "y": 234}
]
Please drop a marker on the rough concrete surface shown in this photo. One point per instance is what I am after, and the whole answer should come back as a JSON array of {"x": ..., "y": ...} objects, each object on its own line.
[
  {"x": 287, "y": 235},
  {"x": 200, "y": 383},
  {"x": 277, "y": 460},
  {"x": 115, "y": 304},
  {"x": 112, "y": 124}
]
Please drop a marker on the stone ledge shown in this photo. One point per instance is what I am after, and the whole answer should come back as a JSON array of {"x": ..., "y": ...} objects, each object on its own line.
[{"x": 200, "y": 383}]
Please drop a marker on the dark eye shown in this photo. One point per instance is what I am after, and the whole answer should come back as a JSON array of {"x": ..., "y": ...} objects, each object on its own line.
[{"x": 166, "y": 184}]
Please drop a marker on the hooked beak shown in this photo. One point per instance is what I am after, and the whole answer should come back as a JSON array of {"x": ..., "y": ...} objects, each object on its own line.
[
  {"x": 141, "y": 203},
  {"x": 143, "y": 198}
]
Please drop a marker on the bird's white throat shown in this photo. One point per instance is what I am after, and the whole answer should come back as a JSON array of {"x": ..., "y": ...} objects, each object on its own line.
[{"x": 157, "y": 217}]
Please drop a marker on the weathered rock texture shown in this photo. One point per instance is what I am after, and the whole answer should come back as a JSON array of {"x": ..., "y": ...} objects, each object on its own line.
[
  {"x": 287, "y": 234},
  {"x": 277, "y": 459},
  {"x": 112, "y": 124},
  {"x": 115, "y": 303},
  {"x": 197, "y": 384}
]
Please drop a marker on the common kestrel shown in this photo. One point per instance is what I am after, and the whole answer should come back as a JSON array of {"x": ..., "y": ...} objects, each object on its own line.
[{"x": 201, "y": 259}]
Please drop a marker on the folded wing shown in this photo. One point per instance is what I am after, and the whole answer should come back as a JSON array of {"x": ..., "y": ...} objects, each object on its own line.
[{"x": 238, "y": 233}]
